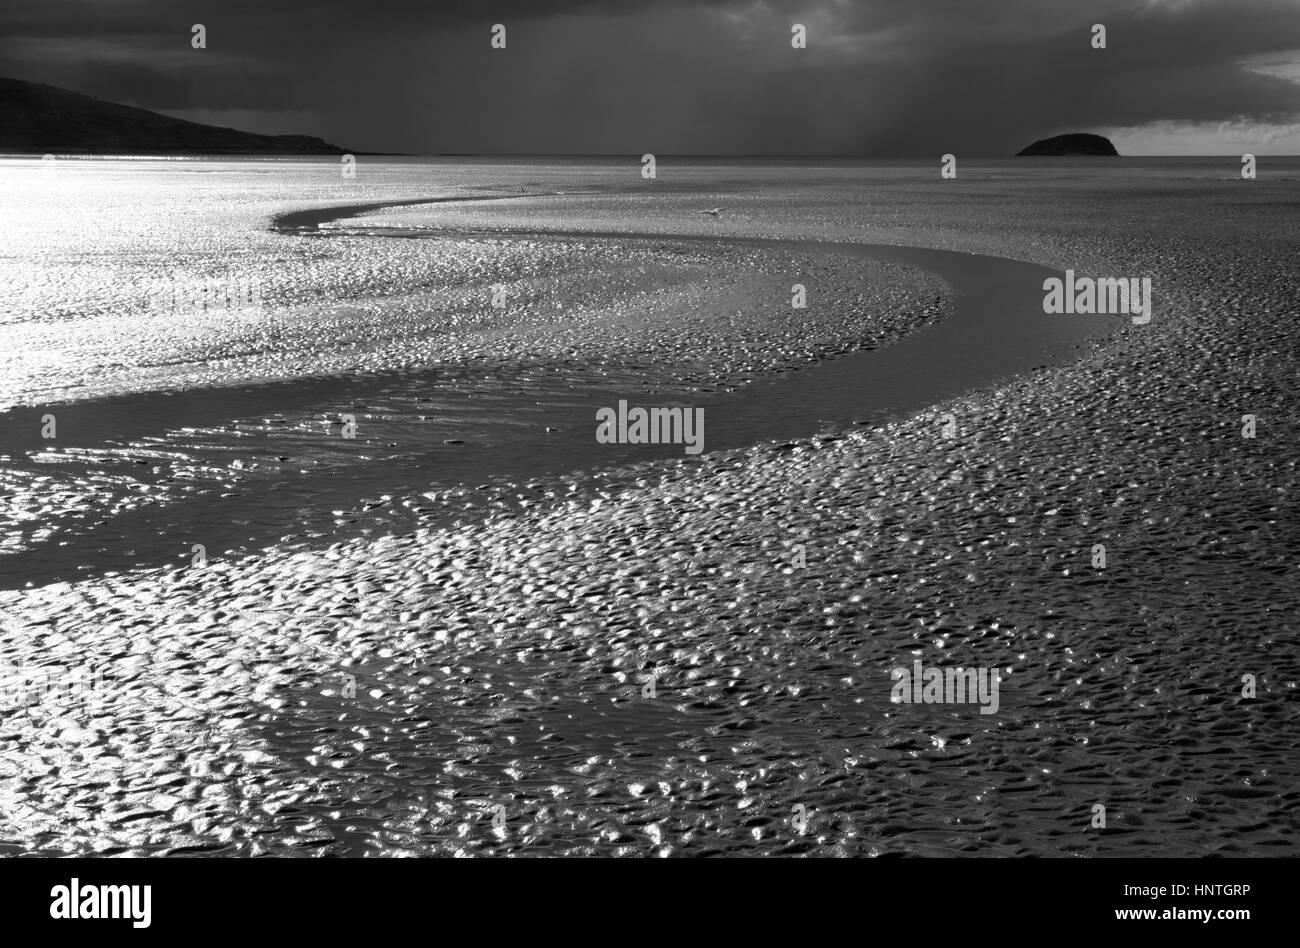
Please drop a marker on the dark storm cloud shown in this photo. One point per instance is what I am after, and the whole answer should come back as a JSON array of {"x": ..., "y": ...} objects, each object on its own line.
[{"x": 885, "y": 77}]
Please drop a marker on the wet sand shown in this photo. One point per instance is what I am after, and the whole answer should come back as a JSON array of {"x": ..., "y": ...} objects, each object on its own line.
[{"x": 502, "y": 663}]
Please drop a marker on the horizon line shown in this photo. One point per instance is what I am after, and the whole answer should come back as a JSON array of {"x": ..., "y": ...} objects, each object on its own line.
[{"x": 622, "y": 155}]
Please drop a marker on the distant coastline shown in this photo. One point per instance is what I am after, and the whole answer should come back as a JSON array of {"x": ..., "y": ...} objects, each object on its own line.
[{"x": 38, "y": 119}]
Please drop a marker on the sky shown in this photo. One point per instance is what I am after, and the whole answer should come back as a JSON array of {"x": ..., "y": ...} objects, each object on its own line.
[{"x": 878, "y": 78}]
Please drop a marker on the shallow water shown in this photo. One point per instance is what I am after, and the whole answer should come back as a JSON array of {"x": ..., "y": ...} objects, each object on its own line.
[{"x": 138, "y": 478}]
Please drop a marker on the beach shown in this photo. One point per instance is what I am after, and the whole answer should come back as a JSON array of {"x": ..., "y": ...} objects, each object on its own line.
[{"x": 546, "y": 645}]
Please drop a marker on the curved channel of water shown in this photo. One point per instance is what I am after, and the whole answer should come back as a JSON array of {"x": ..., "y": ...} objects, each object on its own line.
[
  {"x": 517, "y": 429},
  {"x": 996, "y": 330}
]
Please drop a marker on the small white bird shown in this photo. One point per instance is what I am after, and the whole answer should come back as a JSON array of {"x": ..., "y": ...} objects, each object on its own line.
[{"x": 715, "y": 212}]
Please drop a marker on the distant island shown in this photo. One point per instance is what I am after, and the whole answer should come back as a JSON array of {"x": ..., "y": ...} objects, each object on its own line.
[
  {"x": 1076, "y": 143},
  {"x": 40, "y": 119}
]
